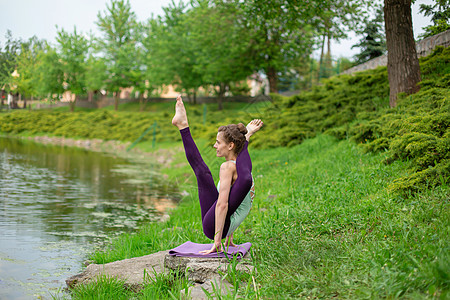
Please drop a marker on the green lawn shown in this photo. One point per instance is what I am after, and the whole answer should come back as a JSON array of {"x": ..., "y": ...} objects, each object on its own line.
[{"x": 322, "y": 225}]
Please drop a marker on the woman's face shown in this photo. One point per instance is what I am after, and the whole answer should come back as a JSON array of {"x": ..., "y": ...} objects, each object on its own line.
[{"x": 221, "y": 146}]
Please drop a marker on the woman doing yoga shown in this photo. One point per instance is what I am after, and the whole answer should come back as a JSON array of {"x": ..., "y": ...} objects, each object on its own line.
[{"x": 225, "y": 207}]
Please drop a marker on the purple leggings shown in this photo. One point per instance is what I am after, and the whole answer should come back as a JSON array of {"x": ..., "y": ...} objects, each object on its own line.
[{"x": 207, "y": 191}]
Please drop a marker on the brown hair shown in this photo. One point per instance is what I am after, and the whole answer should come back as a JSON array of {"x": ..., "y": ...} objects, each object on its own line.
[{"x": 234, "y": 133}]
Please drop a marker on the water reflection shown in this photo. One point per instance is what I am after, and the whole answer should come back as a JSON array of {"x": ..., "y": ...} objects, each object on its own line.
[{"x": 57, "y": 202}]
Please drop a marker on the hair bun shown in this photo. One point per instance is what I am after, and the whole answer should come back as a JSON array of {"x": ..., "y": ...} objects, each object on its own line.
[{"x": 242, "y": 128}]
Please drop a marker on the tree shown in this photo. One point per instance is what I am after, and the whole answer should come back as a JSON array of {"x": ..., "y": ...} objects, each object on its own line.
[
  {"x": 403, "y": 64},
  {"x": 23, "y": 81},
  {"x": 373, "y": 43},
  {"x": 8, "y": 56},
  {"x": 96, "y": 75},
  {"x": 333, "y": 20},
  {"x": 146, "y": 77},
  {"x": 119, "y": 28},
  {"x": 440, "y": 15},
  {"x": 49, "y": 74},
  {"x": 21, "y": 58},
  {"x": 73, "y": 51},
  {"x": 172, "y": 53},
  {"x": 222, "y": 43},
  {"x": 281, "y": 33}
]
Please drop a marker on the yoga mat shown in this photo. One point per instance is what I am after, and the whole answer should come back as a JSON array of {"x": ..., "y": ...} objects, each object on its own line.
[{"x": 190, "y": 249}]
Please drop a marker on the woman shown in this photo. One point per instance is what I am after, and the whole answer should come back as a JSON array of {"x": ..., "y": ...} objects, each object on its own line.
[{"x": 223, "y": 208}]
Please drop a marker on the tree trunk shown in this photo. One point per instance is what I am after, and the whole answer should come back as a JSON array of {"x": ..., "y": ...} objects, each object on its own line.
[
  {"x": 273, "y": 78},
  {"x": 220, "y": 98},
  {"x": 194, "y": 95},
  {"x": 90, "y": 95},
  {"x": 116, "y": 100},
  {"x": 403, "y": 65},
  {"x": 72, "y": 104},
  {"x": 328, "y": 64},
  {"x": 14, "y": 102},
  {"x": 320, "y": 71},
  {"x": 24, "y": 102},
  {"x": 141, "y": 101}
]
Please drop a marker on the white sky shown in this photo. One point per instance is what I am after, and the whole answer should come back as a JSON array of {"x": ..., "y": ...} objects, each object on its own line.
[{"x": 26, "y": 18}]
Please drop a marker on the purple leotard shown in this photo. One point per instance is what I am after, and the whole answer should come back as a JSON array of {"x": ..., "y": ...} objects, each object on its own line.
[{"x": 207, "y": 191}]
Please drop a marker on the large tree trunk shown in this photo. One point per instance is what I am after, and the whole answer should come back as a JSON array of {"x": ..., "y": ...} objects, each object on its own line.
[
  {"x": 273, "y": 78},
  {"x": 403, "y": 65}
]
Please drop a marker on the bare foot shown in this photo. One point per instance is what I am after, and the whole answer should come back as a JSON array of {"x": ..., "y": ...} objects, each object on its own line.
[
  {"x": 229, "y": 241},
  {"x": 180, "y": 118},
  {"x": 253, "y": 127}
]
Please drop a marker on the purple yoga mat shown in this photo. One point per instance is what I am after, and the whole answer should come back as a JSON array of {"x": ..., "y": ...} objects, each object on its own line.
[{"x": 190, "y": 249}]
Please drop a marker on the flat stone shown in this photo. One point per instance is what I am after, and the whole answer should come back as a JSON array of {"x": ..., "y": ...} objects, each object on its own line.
[
  {"x": 130, "y": 270},
  {"x": 201, "y": 270}
]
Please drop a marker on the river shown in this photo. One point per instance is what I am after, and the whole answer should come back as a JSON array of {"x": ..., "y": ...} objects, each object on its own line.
[{"x": 57, "y": 204}]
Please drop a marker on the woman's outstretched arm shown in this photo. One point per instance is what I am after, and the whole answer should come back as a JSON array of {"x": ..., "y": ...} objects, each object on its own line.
[{"x": 226, "y": 176}]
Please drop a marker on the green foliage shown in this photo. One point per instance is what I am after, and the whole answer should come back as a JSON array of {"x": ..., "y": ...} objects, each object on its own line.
[
  {"x": 23, "y": 57},
  {"x": 373, "y": 44},
  {"x": 225, "y": 44},
  {"x": 96, "y": 73},
  {"x": 50, "y": 74},
  {"x": 73, "y": 51},
  {"x": 8, "y": 55},
  {"x": 102, "y": 288},
  {"x": 172, "y": 53},
  {"x": 124, "y": 126},
  {"x": 416, "y": 130},
  {"x": 119, "y": 43},
  {"x": 357, "y": 107},
  {"x": 439, "y": 13}
]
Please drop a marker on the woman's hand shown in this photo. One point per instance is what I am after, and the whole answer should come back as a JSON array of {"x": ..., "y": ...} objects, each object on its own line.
[
  {"x": 214, "y": 248},
  {"x": 253, "y": 127}
]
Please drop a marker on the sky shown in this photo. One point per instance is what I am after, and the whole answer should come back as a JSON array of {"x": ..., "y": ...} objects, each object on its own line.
[{"x": 26, "y": 18}]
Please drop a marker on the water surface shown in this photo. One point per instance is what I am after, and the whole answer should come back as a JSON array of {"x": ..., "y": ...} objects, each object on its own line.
[{"x": 58, "y": 203}]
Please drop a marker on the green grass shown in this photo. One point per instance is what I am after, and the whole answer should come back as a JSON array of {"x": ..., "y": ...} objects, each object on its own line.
[
  {"x": 323, "y": 225},
  {"x": 167, "y": 285}
]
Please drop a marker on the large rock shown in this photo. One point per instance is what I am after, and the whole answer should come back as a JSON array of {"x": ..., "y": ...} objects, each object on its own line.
[
  {"x": 206, "y": 272},
  {"x": 130, "y": 270},
  {"x": 203, "y": 272},
  {"x": 203, "y": 269}
]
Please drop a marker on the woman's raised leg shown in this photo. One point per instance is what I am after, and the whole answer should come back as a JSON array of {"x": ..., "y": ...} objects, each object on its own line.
[{"x": 207, "y": 190}]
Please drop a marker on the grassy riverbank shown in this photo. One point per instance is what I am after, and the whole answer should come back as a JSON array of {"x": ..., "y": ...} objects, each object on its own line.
[{"x": 323, "y": 224}]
